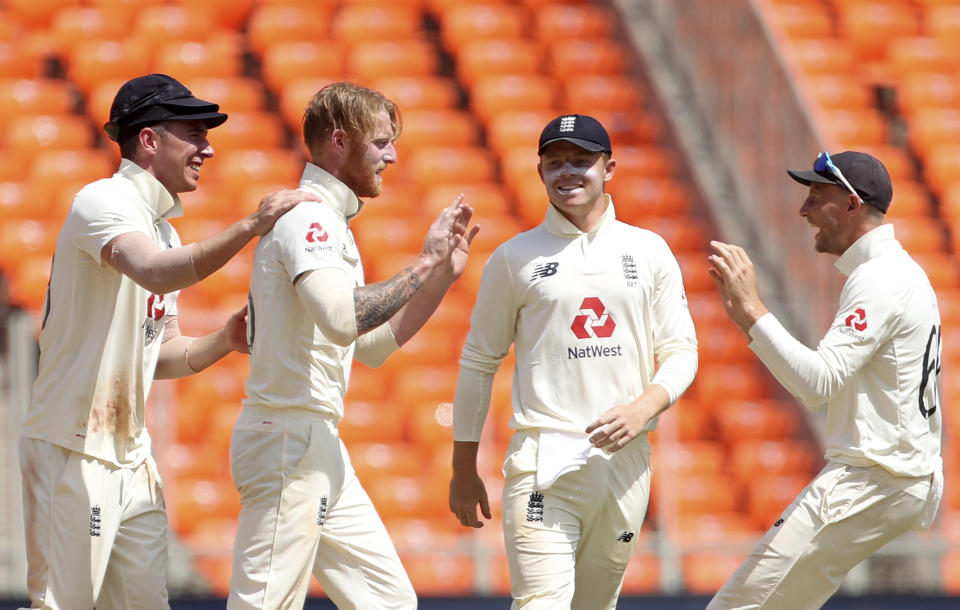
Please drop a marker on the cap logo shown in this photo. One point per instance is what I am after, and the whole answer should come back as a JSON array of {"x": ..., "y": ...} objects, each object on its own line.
[{"x": 566, "y": 123}]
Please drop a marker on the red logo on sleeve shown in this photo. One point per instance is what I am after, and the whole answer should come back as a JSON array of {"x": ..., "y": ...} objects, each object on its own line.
[
  {"x": 593, "y": 321},
  {"x": 316, "y": 233},
  {"x": 858, "y": 319},
  {"x": 156, "y": 306}
]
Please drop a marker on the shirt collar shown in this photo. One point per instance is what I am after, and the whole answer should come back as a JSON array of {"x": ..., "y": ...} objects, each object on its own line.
[
  {"x": 161, "y": 202},
  {"x": 870, "y": 245},
  {"x": 557, "y": 223},
  {"x": 319, "y": 181}
]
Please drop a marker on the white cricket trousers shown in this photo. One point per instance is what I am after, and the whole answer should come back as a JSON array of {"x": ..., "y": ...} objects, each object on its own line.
[
  {"x": 96, "y": 534},
  {"x": 568, "y": 545},
  {"x": 304, "y": 510},
  {"x": 837, "y": 521}
]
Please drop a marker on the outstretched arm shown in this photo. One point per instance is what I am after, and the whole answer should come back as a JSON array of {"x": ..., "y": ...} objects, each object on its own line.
[{"x": 160, "y": 271}]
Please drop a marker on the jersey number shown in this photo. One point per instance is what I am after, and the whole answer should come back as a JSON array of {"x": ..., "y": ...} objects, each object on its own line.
[{"x": 930, "y": 379}]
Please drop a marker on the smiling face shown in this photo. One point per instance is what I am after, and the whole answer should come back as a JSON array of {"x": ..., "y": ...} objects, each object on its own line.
[
  {"x": 181, "y": 149},
  {"x": 828, "y": 209},
  {"x": 574, "y": 179},
  {"x": 369, "y": 157}
]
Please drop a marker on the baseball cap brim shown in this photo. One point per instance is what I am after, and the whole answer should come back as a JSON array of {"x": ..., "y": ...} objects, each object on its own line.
[
  {"x": 805, "y": 177},
  {"x": 585, "y": 144}
]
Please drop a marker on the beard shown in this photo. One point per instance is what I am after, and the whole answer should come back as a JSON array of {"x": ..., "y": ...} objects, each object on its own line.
[{"x": 360, "y": 176}]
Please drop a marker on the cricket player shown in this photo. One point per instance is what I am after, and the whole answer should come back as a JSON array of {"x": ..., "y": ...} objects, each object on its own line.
[
  {"x": 604, "y": 343},
  {"x": 877, "y": 374},
  {"x": 96, "y": 526},
  {"x": 304, "y": 509}
]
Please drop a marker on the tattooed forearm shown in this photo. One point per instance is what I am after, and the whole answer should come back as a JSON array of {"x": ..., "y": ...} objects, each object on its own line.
[{"x": 376, "y": 303}]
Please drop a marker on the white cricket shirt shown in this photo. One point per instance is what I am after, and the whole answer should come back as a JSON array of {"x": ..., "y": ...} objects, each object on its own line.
[
  {"x": 102, "y": 331},
  {"x": 591, "y": 316},
  {"x": 877, "y": 370},
  {"x": 292, "y": 363}
]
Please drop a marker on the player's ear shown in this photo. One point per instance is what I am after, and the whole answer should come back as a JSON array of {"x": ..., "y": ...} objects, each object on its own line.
[
  {"x": 540, "y": 170},
  {"x": 611, "y": 166}
]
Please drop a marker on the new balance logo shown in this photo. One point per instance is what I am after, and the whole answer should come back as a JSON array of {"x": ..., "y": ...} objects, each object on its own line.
[
  {"x": 535, "y": 507},
  {"x": 778, "y": 523},
  {"x": 95, "y": 521},
  {"x": 567, "y": 123},
  {"x": 544, "y": 270},
  {"x": 625, "y": 537},
  {"x": 322, "y": 511}
]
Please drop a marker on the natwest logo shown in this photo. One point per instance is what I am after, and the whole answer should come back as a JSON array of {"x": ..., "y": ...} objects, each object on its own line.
[
  {"x": 316, "y": 233},
  {"x": 156, "y": 307},
  {"x": 593, "y": 320},
  {"x": 857, "y": 320}
]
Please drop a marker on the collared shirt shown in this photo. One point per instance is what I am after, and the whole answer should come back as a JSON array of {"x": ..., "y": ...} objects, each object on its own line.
[
  {"x": 101, "y": 332},
  {"x": 292, "y": 363},
  {"x": 591, "y": 315},
  {"x": 877, "y": 369}
]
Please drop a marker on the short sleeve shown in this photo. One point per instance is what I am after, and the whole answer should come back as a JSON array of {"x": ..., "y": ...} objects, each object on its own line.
[
  {"x": 99, "y": 215},
  {"x": 310, "y": 236}
]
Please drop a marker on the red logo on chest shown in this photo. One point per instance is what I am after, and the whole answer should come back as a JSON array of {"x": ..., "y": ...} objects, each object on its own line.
[{"x": 592, "y": 311}]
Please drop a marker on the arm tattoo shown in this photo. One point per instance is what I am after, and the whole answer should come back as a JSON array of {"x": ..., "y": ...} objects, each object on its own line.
[{"x": 376, "y": 303}]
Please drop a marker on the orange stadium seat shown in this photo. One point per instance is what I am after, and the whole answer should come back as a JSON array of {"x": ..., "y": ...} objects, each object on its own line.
[
  {"x": 270, "y": 24},
  {"x": 719, "y": 382},
  {"x": 29, "y": 281},
  {"x": 853, "y": 128},
  {"x": 942, "y": 21},
  {"x": 488, "y": 200},
  {"x": 218, "y": 56},
  {"x": 840, "y": 91},
  {"x": 822, "y": 55},
  {"x": 237, "y": 168},
  {"x": 915, "y": 55},
  {"x": 573, "y": 21},
  {"x": 717, "y": 343},
  {"x": 517, "y": 133},
  {"x": 17, "y": 201},
  {"x": 941, "y": 165},
  {"x": 159, "y": 24},
  {"x": 583, "y": 57},
  {"x": 434, "y": 575},
  {"x": 769, "y": 495},
  {"x": 194, "y": 502},
  {"x": 940, "y": 267},
  {"x": 419, "y": 92},
  {"x": 642, "y": 575},
  {"x": 96, "y": 61},
  {"x": 38, "y": 14},
  {"x": 379, "y": 422},
  {"x": 703, "y": 492},
  {"x": 753, "y": 419},
  {"x": 493, "y": 56},
  {"x": 285, "y": 62},
  {"x": 248, "y": 130},
  {"x": 460, "y": 23},
  {"x": 24, "y": 96},
  {"x": 431, "y": 422},
  {"x": 929, "y": 128},
  {"x": 49, "y": 132},
  {"x": 681, "y": 234},
  {"x": 426, "y": 128},
  {"x": 409, "y": 497},
  {"x": 492, "y": 95},
  {"x": 367, "y": 384},
  {"x": 233, "y": 94},
  {"x": 451, "y": 165},
  {"x": 691, "y": 458},
  {"x": 388, "y": 235},
  {"x": 73, "y": 24},
  {"x": 599, "y": 93},
  {"x": 373, "y": 460},
  {"x": 19, "y": 61},
  {"x": 928, "y": 90},
  {"x": 802, "y": 19},
  {"x": 432, "y": 347},
  {"x": 643, "y": 161},
  {"x": 52, "y": 168},
  {"x": 921, "y": 235},
  {"x": 772, "y": 457},
  {"x": 870, "y": 25},
  {"x": 359, "y": 22},
  {"x": 99, "y": 98},
  {"x": 630, "y": 127},
  {"x": 376, "y": 59},
  {"x": 640, "y": 197},
  {"x": 231, "y": 14},
  {"x": 897, "y": 160},
  {"x": 705, "y": 573}
]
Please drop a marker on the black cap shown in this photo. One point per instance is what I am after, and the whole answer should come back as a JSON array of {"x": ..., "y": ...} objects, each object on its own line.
[
  {"x": 154, "y": 98},
  {"x": 865, "y": 173},
  {"x": 580, "y": 129}
]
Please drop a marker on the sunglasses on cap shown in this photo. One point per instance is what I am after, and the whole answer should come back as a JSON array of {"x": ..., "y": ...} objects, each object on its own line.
[{"x": 824, "y": 164}]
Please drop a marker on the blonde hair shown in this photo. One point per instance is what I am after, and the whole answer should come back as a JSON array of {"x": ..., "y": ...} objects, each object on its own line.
[{"x": 349, "y": 107}]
